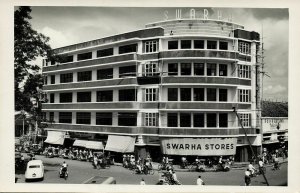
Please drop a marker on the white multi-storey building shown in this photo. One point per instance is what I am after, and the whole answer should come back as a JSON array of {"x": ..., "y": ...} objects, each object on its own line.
[{"x": 167, "y": 89}]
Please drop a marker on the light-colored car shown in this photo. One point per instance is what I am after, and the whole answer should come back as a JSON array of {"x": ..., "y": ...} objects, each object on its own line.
[{"x": 34, "y": 170}]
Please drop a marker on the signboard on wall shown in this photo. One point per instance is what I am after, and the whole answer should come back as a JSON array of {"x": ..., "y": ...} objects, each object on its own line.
[
  {"x": 199, "y": 146},
  {"x": 274, "y": 124}
]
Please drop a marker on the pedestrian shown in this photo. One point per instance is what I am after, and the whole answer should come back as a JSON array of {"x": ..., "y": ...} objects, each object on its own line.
[
  {"x": 200, "y": 182},
  {"x": 142, "y": 182},
  {"x": 247, "y": 178}
]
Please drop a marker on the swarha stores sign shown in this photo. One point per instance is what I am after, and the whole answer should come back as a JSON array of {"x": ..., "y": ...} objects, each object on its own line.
[{"x": 199, "y": 146}]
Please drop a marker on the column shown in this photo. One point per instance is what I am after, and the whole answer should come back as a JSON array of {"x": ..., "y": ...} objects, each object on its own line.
[{"x": 93, "y": 118}]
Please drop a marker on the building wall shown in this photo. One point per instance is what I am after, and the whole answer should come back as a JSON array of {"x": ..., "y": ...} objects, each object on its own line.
[{"x": 192, "y": 30}]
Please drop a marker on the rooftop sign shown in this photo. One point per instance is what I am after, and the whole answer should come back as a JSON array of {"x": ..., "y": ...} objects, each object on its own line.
[{"x": 199, "y": 14}]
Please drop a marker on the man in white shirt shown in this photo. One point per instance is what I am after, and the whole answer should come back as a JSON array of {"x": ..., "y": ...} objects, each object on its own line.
[
  {"x": 200, "y": 181},
  {"x": 247, "y": 178},
  {"x": 251, "y": 168},
  {"x": 142, "y": 182}
]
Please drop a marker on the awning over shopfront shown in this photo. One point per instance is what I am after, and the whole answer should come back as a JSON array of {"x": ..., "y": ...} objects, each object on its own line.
[
  {"x": 55, "y": 137},
  {"x": 199, "y": 146},
  {"x": 123, "y": 144},
  {"x": 79, "y": 143},
  {"x": 96, "y": 145}
]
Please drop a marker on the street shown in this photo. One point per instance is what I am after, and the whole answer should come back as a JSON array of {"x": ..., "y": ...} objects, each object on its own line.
[{"x": 80, "y": 172}]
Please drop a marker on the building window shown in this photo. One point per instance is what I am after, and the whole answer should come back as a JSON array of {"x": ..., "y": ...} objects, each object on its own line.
[
  {"x": 151, "y": 69},
  {"x": 211, "y": 69},
  {"x": 151, "y": 94},
  {"x": 198, "y": 119},
  {"x": 222, "y": 69},
  {"x": 223, "y": 95},
  {"x": 185, "y": 94},
  {"x": 199, "y": 69},
  {"x": 244, "y": 71},
  {"x": 105, "y": 96},
  {"x": 151, "y": 46},
  {"x": 83, "y": 118},
  {"x": 172, "y": 45},
  {"x": 186, "y": 44},
  {"x": 66, "y": 59},
  {"x": 223, "y": 45},
  {"x": 45, "y": 80},
  {"x": 127, "y": 119},
  {"x": 84, "y": 56},
  {"x": 51, "y": 116},
  {"x": 105, "y": 52},
  {"x": 128, "y": 48},
  {"x": 244, "y": 47},
  {"x": 172, "y": 120},
  {"x": 65, "y": 117},
  {"x": 84, "y": 97},
  {"x": 223, "y": 120},
  {"x": 211, "y": 44},
  {"x": 173, "y": 69},
  {"x": 65, "y": 97},
  {"x": 211, "y": 94},
  {"x": 64, "y": 78},
  {"x": 172, "y": 94},
  {"x": 105, "y": 73},
  {"x": 199, "y": 44},
  {"x": 185, "y": 120},
  {"x": 151, "y": 119},
  {"x": 52, "y": 78},
  {"x": 103, "y": 118},
  {"x": 127, "y": 95},
  {"x": 198, "y": 94},
  {"x": 127, "y": 71},
  {"x": 245, "y": 120},
  {"x": 84, "y": 76},
  {"x": 244, "y": 95},
  {"x": 211, "y": 119},
  {"x": 186, "y": 69},
  {"x": 69, "y": 59},
  {"x": 51, "y": 97}
]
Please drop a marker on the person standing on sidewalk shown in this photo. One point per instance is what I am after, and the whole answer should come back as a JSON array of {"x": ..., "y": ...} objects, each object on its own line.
[
  {"x": 200, "y": 182},
  {"x": 142, "y": 182}
]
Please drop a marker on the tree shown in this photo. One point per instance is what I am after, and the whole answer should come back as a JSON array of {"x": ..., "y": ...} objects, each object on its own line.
[{"x": 28, "y": 45}]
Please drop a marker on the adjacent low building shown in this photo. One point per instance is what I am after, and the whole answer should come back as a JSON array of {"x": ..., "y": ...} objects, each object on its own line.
[{"x": 169, "y": 88}]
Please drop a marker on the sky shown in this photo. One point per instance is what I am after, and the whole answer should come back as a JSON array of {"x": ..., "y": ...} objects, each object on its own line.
[{"x": 70, "y": 25}]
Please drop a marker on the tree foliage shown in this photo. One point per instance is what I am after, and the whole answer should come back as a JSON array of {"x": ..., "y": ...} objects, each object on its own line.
[
  {"x": 274, "y": 109},
  {"x": 28, "y": 45}
]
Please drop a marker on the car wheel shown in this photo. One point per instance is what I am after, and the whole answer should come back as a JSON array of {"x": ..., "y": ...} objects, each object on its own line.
[{"x": 42, "y": 178}]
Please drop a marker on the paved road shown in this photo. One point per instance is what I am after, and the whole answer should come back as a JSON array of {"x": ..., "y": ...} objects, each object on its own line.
[{"x": 82, "y": 171}]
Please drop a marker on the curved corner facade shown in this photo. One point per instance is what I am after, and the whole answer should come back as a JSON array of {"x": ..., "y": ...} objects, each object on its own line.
[{"x": 172, "y": 86}]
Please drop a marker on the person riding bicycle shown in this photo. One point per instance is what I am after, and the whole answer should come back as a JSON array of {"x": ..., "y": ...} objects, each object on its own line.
[
  {"x": 251, "y": 168},
  {"x": 276, "y": 163},
  {"x": 261, "y": 165},
  {"x": 183, "y": 162},
  {"x": 64, "y": 167}
]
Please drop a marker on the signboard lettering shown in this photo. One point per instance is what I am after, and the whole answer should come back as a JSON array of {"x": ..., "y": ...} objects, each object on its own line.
[
  {"x": 202, "y": 14},
  {"x": 201, "y": 146}
]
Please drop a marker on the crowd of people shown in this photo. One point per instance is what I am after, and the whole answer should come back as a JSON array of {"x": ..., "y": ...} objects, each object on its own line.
[{"x": 137, "y": 164}]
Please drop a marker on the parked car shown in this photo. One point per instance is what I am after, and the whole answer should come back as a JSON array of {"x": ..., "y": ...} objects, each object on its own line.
[{"x": 34, "y": 170}]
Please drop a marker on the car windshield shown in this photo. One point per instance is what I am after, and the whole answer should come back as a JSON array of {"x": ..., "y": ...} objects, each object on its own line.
[{"x": 34, "y": 166}]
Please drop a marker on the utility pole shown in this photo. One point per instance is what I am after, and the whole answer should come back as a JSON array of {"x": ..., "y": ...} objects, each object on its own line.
[{"x": 239, "y": 120}]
